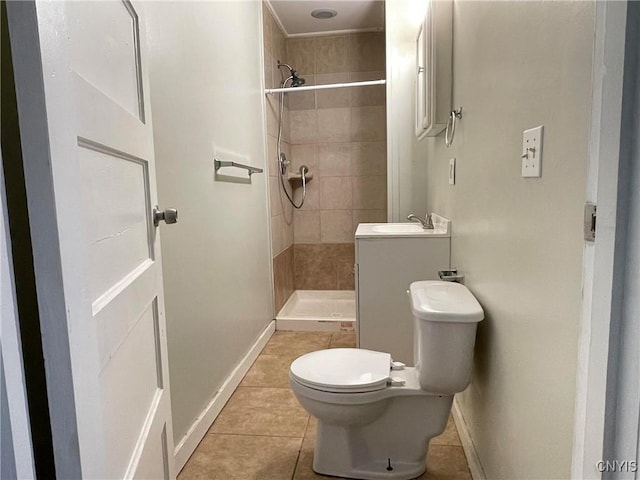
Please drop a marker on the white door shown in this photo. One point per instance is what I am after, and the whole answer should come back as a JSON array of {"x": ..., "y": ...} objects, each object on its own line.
[
  {"x": 607, "y": 418},
  {"x": 83, "y": 101},
  {"x": 622, "y": 422}
]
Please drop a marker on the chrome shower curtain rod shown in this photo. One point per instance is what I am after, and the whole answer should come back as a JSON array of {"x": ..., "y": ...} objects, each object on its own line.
[{"x": 325, "y": 87}]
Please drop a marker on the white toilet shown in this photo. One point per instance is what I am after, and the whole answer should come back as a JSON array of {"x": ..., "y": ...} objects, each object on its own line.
[{"x": 376, "y": 417}]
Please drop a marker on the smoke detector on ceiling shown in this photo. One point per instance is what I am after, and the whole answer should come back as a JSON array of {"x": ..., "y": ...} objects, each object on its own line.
[{"x": 323, "y": 13}]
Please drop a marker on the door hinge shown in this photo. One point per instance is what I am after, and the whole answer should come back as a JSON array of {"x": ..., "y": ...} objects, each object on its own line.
[{"x": 590, "y": 222}]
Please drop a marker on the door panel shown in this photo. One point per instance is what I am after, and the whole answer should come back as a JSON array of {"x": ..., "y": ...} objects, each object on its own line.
[
  {"x": 116, "y": 211},
  {"x": 132, "y": 384},
  {"x": 117, "y": 314},
  {"x": 103, "y": 178},
  {"x": 155, "y": 446},
  {"x": 111, "y": 34}
]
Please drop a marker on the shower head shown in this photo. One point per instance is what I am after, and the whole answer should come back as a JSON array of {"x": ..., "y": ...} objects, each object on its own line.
[{"x": 296, "y": 80}]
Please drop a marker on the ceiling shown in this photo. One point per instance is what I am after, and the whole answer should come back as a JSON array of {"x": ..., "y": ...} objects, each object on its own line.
[{"x": 353, "y": 15}]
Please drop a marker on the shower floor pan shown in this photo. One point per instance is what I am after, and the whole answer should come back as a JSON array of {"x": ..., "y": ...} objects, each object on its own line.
[{"x": 318, "y": 311}]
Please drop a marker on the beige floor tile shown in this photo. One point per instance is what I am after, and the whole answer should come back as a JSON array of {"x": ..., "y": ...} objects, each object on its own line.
[
  {"x": 446, "y": 462},
  {"x": 230, "y": 457},
  {"x": 343, "y": 340},
  {"x": 449, "y": 436},
  {"x": 296, "y": 343},
  {"x": 262, "y": 411},
  {"x": 269, "y": 371}
]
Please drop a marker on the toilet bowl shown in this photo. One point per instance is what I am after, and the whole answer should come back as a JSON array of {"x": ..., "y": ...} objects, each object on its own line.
[{"x": 375, "y": 416}]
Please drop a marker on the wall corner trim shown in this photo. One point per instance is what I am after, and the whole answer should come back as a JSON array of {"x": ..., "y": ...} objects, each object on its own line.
[
  {"x": 473, "y": 459},
  {"x": 185, "y": 448}
]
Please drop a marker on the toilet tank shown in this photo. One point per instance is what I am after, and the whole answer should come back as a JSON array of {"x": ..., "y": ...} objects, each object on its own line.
[{"x": 445, "y": 317}]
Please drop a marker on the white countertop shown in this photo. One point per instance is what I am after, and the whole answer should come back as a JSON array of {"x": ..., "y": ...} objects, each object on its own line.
[{"x": 405, "y": 229}]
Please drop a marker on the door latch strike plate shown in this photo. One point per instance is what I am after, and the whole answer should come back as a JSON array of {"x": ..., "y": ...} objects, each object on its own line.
[{"x": 590, "y": 222}]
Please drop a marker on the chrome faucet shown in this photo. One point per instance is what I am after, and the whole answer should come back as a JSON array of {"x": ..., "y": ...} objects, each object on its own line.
[{"x": 427, "y": 223}]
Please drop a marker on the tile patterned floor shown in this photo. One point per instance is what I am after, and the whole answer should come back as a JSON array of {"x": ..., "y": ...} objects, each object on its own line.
[{"x": 264, "y": 434}]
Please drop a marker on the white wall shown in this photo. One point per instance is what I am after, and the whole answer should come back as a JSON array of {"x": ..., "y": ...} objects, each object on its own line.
[
  {"x": 519, "y": 241},
  {"x": 406, "y": 156},
  {"x": 206, "y": 89}
]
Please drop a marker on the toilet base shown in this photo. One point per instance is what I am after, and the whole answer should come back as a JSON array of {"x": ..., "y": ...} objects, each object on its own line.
[
  {"x": 378, "y": 471},
  {"x": 400, "y": 436}
]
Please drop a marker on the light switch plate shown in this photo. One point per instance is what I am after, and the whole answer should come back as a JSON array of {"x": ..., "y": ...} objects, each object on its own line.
[
  {"x": 452, "y": 171},
  {"x": 532, "y": 152}
]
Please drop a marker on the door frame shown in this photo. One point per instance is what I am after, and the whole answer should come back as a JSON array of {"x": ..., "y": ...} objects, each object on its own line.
[
  {"x": 16, "y": 423},
  {"x": 603, "y": 281},
  {"x": 46, "y": 244},
  {"x": 622, "y": 409}
]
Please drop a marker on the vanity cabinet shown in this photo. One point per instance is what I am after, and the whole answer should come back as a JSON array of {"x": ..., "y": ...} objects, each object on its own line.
[
  {"x": 434, "y": 54},
  {"x": 386, "y": 264}
]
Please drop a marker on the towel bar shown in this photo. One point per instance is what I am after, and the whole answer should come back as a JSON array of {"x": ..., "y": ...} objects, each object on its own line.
[{"x": 250, "y": 170}]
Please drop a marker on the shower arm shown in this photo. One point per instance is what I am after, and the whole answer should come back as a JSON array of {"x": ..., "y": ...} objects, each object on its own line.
[
  {"x": 280, "y": 65},
  {"x": 296, "y": 80}
]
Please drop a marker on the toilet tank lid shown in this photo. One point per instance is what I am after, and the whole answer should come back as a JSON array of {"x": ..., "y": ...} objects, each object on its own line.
[{"x": 438, "y": 301}]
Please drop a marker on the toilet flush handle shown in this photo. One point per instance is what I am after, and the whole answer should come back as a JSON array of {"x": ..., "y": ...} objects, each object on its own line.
[{"x": 397, "y": 366}]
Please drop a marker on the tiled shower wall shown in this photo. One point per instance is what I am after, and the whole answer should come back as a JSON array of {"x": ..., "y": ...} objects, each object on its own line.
[
  {"x": 281, "y": 211},
  {"x": 341, "y": 136}
]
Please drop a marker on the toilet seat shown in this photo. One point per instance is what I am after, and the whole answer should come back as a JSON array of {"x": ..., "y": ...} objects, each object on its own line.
[{"x": 343, "y": 370}]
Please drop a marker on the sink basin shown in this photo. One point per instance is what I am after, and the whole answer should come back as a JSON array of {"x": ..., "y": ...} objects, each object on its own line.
[
  {"x": 399, "y": 228},
  {"x": 404, "y": 229}
]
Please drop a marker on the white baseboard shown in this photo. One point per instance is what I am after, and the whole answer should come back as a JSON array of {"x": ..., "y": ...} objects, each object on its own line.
[
  {"x": 473, "y": 460},
  {"x": 199, "y": 429}
]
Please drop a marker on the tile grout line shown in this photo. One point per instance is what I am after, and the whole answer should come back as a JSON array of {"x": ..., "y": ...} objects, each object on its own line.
[
  {"x": 255, "y": 435},
  {"x": 259, "y": 386},
  {"x": 306, "y": 428},
  {"x": 295, "y": 467}
]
